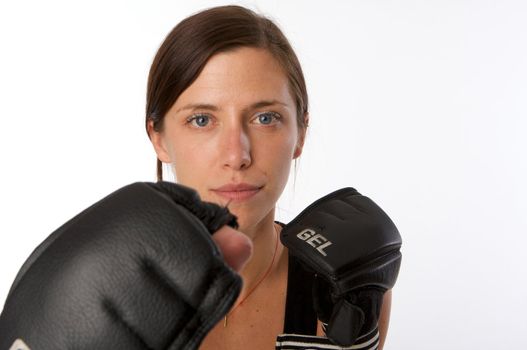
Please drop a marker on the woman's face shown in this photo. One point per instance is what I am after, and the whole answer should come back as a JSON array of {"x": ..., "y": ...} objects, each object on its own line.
[{"x": 233, "y": 134}]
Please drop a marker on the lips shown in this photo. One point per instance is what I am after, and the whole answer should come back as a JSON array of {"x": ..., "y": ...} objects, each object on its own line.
[{"x": 237, "y": 192}]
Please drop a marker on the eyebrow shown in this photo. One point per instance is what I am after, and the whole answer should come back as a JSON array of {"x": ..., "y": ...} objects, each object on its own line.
[{"x": 211, "y": 107}]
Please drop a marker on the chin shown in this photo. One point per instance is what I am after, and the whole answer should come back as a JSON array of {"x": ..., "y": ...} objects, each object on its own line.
[{"x": 249, "y": 220}]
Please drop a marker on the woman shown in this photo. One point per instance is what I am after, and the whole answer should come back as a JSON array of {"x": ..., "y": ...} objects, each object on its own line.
[{"x": 227, "y": 108}]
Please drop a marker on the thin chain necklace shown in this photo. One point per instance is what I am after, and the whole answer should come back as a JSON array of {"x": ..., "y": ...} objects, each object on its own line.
[{"x": 258, "y": 283}]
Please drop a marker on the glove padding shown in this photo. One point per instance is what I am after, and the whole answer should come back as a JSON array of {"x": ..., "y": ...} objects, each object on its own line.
[
  {"x": 136, "y": 270},
  {"x": 353, "y": 248}
]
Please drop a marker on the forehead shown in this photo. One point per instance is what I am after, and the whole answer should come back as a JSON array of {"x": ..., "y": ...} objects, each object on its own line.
[{"x": 239, "y": 77}]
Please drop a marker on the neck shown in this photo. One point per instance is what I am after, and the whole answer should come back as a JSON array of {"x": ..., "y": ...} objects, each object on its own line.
[{"x": 264, "y": 236}]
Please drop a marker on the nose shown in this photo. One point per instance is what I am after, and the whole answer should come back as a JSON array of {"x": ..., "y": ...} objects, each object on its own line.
[{"x": 236, "y": 148}]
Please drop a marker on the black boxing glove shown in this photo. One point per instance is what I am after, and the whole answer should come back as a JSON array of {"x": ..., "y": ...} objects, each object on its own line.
[
  {"x": 353, "y": 247},
  {"x": 136, "y": 270}
]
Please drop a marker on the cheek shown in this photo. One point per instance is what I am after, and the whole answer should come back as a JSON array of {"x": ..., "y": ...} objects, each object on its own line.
[
  {"x": 278, "y": 156},
  {"x": 191, "y": 161}
]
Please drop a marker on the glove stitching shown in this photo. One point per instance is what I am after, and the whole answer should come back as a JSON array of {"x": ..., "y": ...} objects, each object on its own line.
[{"x": 347, "y": 191}]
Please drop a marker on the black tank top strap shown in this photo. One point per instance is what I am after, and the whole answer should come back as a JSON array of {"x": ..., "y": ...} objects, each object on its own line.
[{"x": 300, "y": 316}]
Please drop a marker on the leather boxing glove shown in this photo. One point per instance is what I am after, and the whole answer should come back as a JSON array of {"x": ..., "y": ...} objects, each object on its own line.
[
  {"x": 136, "y": 270},
  {"x": 352, "y": 246}
]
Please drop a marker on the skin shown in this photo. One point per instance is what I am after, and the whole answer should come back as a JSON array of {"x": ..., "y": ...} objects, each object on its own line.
[
  {"x": 235, "y": 146},
  {"x": 236, "y": 123}
]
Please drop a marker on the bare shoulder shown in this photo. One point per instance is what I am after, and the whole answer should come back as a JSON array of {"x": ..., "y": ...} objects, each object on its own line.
[{"x": 384, "y": 319}]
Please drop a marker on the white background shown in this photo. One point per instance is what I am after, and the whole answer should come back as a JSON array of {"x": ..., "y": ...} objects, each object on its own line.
[{"x": 420, "y": 105}]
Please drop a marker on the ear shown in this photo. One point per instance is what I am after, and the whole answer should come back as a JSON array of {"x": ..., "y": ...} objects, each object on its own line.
[
  {"x": 301, "y": 137},
  {"x": 157, "y": 139}
]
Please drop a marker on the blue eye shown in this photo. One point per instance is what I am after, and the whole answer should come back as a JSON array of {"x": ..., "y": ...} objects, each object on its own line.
[
  {"x": 267, "y": 118},
  {"x": 199, "y": 120}
]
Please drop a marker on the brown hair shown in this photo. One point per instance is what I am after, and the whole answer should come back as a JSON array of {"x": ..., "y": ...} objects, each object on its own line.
[{"x": 187, "y": 48}]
